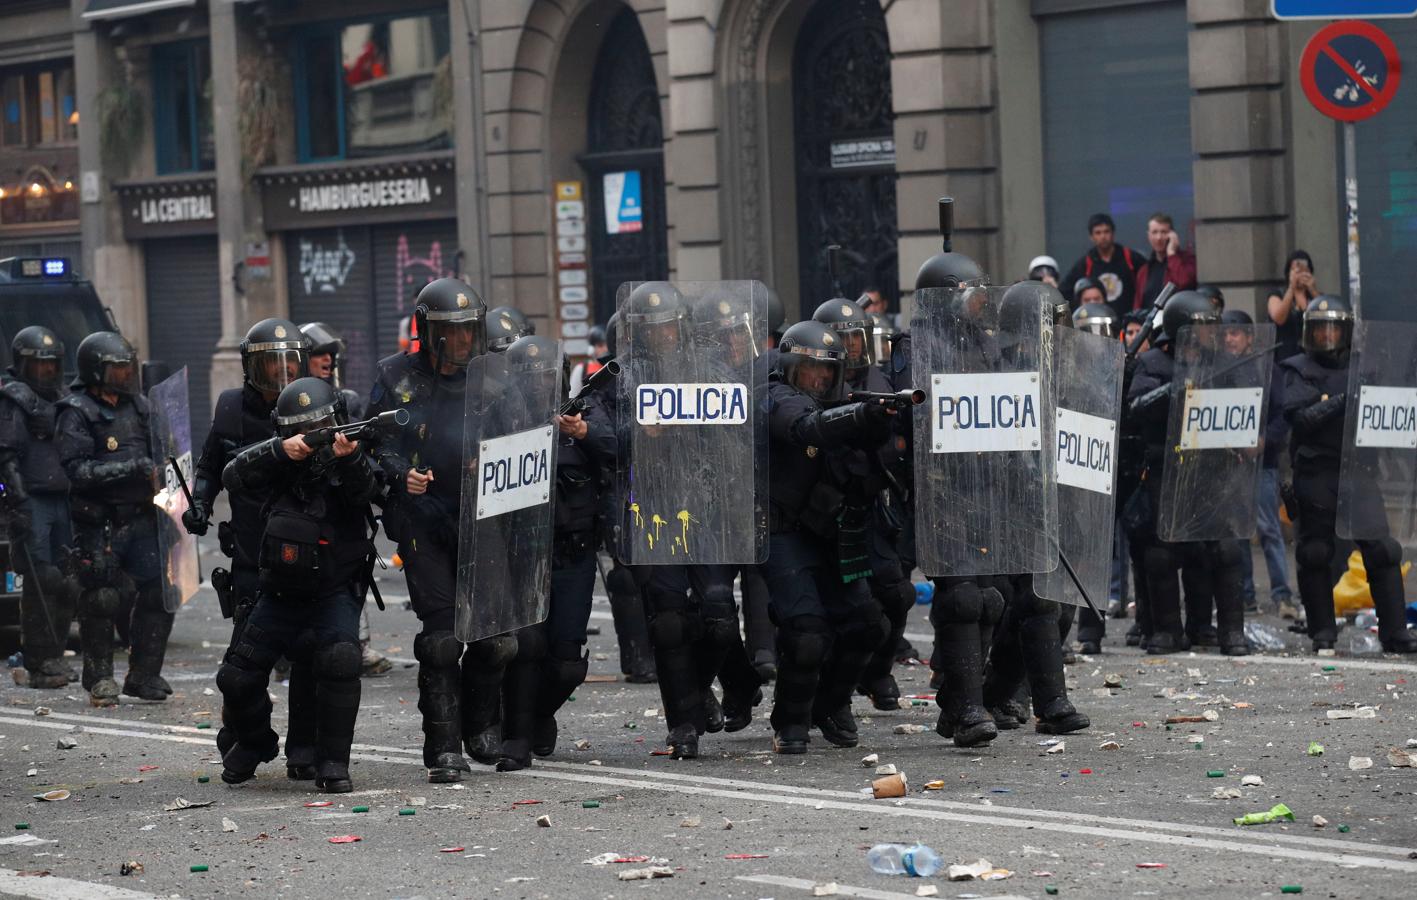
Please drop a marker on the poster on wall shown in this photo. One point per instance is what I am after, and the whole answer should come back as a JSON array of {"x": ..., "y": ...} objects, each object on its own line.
[
  {"x": 572, "y": 291},
  {"x": 624, "y": 208}
]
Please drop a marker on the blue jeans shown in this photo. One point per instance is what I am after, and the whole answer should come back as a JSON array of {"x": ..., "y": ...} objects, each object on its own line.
[
  {"x": 50, "y": 530},
  {"x": 1121, "y": 561},
  {"x": 1271, "y": 542}
]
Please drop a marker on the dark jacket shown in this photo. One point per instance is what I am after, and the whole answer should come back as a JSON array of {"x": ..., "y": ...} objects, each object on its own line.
[
  {"x": 1122, "y": 269},
  {"x": 1180, "y": 271},
  {"x": 27, "y": 427},
  {"x": 243, "y": 418},
  {"x": 106, "y": 452},
  {"x": 1313, "y": 406}
]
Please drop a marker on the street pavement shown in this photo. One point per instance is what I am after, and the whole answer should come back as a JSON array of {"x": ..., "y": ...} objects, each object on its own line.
[{"x": 1075, "y": 817}]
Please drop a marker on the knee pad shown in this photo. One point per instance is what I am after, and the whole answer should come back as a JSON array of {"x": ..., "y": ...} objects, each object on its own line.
[
  {"x": 1314, "y": 552},
  {"x": 493, "y": 652},
  {"x": 673, "y": 628},
  {"x": 238, "y": 681},
  {"x": 991, "y": 606},
  {"x": 336, "y": 662},
  {"x": 531, "y": 643},
  {"x": 805, "y": 641},
  {"x": 439, "y": 649},
  {"x": 961, "y": 603},
  {"x": 1381, "y": 553},
  {"x": 100, "y": 602}
]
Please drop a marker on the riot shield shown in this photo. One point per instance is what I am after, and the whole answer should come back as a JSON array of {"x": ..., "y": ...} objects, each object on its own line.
[
  {"x": 1377, "y": 482},
  {"x": 1087, "y": 383},
  {"x": 985, "y": 493},
  {"x": 691, "y": 423},
  {"x": 1214, "y": 438},
  {"x": 170, "y": 432},
  {"x": 506, "y": 521}
]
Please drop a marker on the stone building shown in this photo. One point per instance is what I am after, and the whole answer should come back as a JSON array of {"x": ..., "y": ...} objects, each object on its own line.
[{"x": 211, "y": 162}]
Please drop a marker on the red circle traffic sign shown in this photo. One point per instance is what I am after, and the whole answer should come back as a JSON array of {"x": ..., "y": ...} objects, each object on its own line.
[{"x": 1350, "y": 70}]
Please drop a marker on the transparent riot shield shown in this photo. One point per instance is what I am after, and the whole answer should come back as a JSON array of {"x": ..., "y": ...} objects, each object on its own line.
[
  {"x": 170, "y": 430},
  {"x": 506, "y": 524},
  {"x": 1087, "y": 382},
  {"x": 1214, "y": 439},
  {"x": 691, "y": 424},
  {"x": 1377, "y": 482},
  {"x": 985, "y": 493}
]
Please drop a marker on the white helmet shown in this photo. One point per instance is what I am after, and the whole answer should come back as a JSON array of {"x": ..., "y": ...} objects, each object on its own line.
[{"x": 1041, "y": 262}]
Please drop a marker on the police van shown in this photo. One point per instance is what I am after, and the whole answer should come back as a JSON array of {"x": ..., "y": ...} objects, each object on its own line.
[{"x": 41, "y": 291}]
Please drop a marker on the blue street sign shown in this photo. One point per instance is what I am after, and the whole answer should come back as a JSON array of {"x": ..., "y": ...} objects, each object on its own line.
[{"x": 1344, "y": 9}]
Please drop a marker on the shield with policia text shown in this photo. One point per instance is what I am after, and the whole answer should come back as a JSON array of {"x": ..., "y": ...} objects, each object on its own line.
[
  {"x": 508, "y": 489},
  {"x": 1088, "y": 385},
  {"x": 170, "y": 431},
  {"x": 691, "y": 424},
  {"x": 985, "y": 491},
  {"x": 1377, "y": 482},
  {"x": 1214, "y": 449}
]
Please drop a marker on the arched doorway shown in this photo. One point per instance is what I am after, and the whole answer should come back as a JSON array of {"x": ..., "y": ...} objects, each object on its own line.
[
  {"x": 624, "y": 165},
  {"x": 845, "y": 150}
]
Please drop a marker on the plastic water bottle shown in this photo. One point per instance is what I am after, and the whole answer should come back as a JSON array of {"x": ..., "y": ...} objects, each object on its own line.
[
  {"x": 916, "y": 860},
  {"x": 1264, "y": 637},
  {"x": 1361, "y": 643},
  {"x": 1365, "y": 620}
]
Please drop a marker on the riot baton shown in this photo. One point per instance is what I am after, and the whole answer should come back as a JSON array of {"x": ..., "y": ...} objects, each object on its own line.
[
  {"x": 1150, "y": 324},
  {"x": 1063, "y": 558},
  {"x": 191, "y": 504}
]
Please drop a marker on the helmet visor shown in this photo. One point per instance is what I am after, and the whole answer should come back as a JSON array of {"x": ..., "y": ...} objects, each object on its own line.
[
  {"x": 1327, "y": 335},
  {"x": 271, "y": 369},
  {"x": 43, "y": 374},
  {"x": 121, "y": 377},
  {"x": 857, "y": 342},
  {"x": 818, "y": 378},
  {"x": 455, "y": 343},
  {"x": 1098, "y": 325}
]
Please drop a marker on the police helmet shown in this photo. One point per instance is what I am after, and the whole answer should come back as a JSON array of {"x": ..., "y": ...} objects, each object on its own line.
[
  {"x": 1183, "y": 309},
  {"x": 1022, "y": 303},
  {"x": 725, "y": 319},
  {"x": 322, "y": 340},
  {"x": 1328, "y": 327},
  {"x": 596, "y": 335},
  {"x": 1236, "y": 317},
  {"x": 1096, "y": 318},
  {"x": 656, "y": 314},
  {"x": 273, "y": 354},
  {"x": 106, "y": 360},
  {"x": 533, "y": 353},
  {"x": 812, "y": 359},
  {"x": 853, "y": 327},
  {"x": 1084, "y": 285},
  {"x": 450, "y": 320},
  {"x": 38, "y": 356},
  {"x": 308, "y": 404},
  {"x": 504, "y": 325},
  {"x": 612, "y": 331},
  {"x": 1214, "y": 295},
  {"x": 777, "y": 315},
  {"x": 882, "y": 330}
]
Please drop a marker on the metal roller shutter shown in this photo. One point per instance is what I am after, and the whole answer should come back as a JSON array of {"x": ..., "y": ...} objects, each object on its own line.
[
  {"x": 331, "y": 277},
  {"x": 184, "y": 315},
  {"x": 1116, "y": 123},
  {"x": 406, "y": 257}
]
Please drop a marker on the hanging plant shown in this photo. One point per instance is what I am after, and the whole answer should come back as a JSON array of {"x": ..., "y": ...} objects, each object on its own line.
[
  {"x": 121, "y": 118},
  {"x": 258, "y": 97}
]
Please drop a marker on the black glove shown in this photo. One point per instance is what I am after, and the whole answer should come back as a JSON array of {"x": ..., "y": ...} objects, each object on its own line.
[
  {"x": 197, "y": 518},
  {"x": 1151, "y": 403},
  {"x": 19, "y": 523},
  {"x": 1311, "y": 418}
]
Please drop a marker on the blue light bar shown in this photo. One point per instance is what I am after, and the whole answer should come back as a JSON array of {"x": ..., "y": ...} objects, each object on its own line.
[{"x": 56, "y": 268}]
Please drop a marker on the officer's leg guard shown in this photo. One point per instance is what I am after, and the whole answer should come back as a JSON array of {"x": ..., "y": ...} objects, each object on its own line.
[
  {"x": 1383, "y": 561},
  {"x": 520, "y": 685},
  {"x": 1312, "y": 554},
  {"x": 896, "y": 596},
  {"x": 335, "y": 671},
  {"x": 152, "y": 625},
  {"x": 302, "y": 700},
  {"x": 631, "y": 628},
  {"x": 563, "y": 671},
  {"x": 803, "y": 645},
  {"x": 45, "y": 614},
  {"x": 713, "y": 586},
  {"x": 439, "y": 700},
  {"x": 1198, "y": 594},
  {"x": 482, "y": 668},
  {"x": 761, "y": 636},
  {"x": 1163, "y": 561},
  {"x": 1043, "y": 658},
  {"x": 742, "y": 687},
  {"x": 673, "y": 629},
  {"x": 246, "y": 711},
  {"x": 97, "y": 607},
  {"x": 1140, "y": 632},
  {"x": 955, "y": 614},
  {"x": 858, "y": 635},
  {"x": 1228, "y": 573}
]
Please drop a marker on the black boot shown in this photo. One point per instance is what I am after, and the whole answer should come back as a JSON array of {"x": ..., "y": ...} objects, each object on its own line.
[
  {"x": 637, "y": 661},
  {"x": 1385, "y": 582},
  {"x": 96, "y": 640},
  {"x": 337, "y": 693},
  {"x": 44, "y": 626},
  {"x": 831, "y": 709},
  {"x": 300, "y": 734},
  {"x": 246, "y": 719},
  {"x": 1038, "y": 636},
  {"x": 240, "y": 762},
  {"x": 802, "y": 649},
  {"x": 742, "y": 685},
  {"x": 963, "y": 715},
  {"x": 1164, "y": 599},
  {"x": 439, "y": 700},
  {"x": 738, "y": 712},
  {"x": 482, "y": 668},
  {"x": 152, "y": 625}
]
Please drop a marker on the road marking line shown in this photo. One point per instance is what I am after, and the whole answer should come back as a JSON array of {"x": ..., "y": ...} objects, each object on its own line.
[
  {"x": 987, "y": 817},
  {"x": 846, "y": 890},
  {"x": 51, "y": 887}
]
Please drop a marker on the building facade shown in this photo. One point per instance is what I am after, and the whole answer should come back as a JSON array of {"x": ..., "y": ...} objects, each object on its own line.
[{"x": 212, "y": 162}]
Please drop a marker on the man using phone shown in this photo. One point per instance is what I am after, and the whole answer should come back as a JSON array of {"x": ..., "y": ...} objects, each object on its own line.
[{"x": 1169, "y": 261}]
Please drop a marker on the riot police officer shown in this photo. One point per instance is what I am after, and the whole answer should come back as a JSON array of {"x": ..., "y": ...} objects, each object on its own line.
[
  {"x": 105, "y": 448},
  {"x": 505, "y": 324},
  {"x": 36, "y": 501},
  {"x": 273, "y": 354},
  {"x": 459, "y": 693},
  {"x": 1148, "y": 404},
  {"x": 1315, "y": 397},
  {"x": 889, "y": 580},
  {"x": 828, "y": 623},
  {"x": 550, "y": 663},
  {"x": 313, "y": 573}
]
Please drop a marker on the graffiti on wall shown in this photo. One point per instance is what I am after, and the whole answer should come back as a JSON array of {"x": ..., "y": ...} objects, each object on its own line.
[
  {"x": 412, "y": 272},
  {"x": 323, "y": 268}
]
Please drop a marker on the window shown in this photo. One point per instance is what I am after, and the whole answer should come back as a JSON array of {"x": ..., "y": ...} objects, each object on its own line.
[
  {"x": 39, "y": 106},
  {"x": 373, "y": 88},
  {"x": 182, "y": 107}
]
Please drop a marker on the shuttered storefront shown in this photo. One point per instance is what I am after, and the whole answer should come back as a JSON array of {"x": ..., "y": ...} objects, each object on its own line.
[
  {"x": 407, "y": 256},
  {"x": 184, "y": 315},
  {"x": 331, "y": 281},
  {"x": 1116, "y": 119}
]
